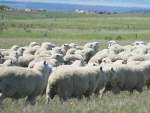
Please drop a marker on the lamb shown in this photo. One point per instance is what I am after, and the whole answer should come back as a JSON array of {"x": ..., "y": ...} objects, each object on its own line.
[
  {"x": 75, "y": 82},
  {"x": 14, "y": 79}
]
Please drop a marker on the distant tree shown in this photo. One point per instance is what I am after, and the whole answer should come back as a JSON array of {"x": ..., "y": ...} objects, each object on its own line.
[{"x": 3, "y": 6}]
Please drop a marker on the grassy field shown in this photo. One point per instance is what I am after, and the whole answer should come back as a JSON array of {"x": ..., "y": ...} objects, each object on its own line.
[
  {"x": 70, "y": 25},
  {"x": 66, "y": 27}
]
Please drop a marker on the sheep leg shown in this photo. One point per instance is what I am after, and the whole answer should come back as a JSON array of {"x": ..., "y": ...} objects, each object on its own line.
[
  {"x": 1, "y": 99},
  {"x": 101, "y": 92},
  {"x": 31, "y": 98},
  {"x": 50, "y": 92}
]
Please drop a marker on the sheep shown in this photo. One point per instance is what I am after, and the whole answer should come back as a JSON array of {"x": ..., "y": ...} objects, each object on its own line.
[
  {"x": 106, "y": 61},
  {"x": 9, "y": 62},
  {"x": 20, "y": 51},
  {"x": 53, "y": 60},
  {"x": 79, "y": 47},
  {"x": 24, "y": 61},
  {"x": 88, "y": 45},
  {"x": 66, "y": 47},
  {"x": 76, "y": 63},
  {"x": 57, "y": 50},
  {"x": 73, "y": 45},
  {"x": 130, "y": 77},
  {"x": 138, "y": 57},
  {"x": 1, "y": 61},
  {"x": 97, "y": 58},
  {"x": 71, "y": 51},
  {"x": 18, "y": 82},
  {"x": 78, "y": 52},
  {"x": 69, "y": 58},
  {"x": 44, "y": 46},
  {"x": 13, "y": 56},
  {"x": 114, "y": 57},
  {"x": 74, "y": 82},
  {"x": 95, "y": 46},
  {"x": 112, "y": 42},
  {"x": 88, "y": 53},
  {"x": 132, "y": 63},
  {"x": 111, "y": 75},
  {"x": 13, "y": 48},
  {"x": 32, "y": 44}
]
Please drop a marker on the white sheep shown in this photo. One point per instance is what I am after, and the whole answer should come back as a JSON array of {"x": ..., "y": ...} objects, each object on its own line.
[
  {"x": 131, "y": 77},
  {"x": 69, "y": 58},
  {"x": 97, "y": 58},
  {"x": 13, "y": 56},
  {"x": 18, "y": 82},
  {"x": 138, "y": 57},
  {"x": 71, "y": 51},
  {"x": 74, "y": 82},
  {"x": 111, "y": 75},
  {"x": 73, "y": 45},
  {"x": 88, "y": 53},
  {"x": 44, "y": 46}
]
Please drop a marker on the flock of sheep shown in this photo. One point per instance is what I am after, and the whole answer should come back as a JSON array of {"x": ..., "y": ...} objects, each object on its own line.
[{"x": 72, "y": 71}]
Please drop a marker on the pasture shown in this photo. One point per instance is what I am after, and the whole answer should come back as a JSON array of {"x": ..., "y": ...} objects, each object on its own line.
[
  {"x": 21, "y": 28},
  {"x": 70, "y": 25}
]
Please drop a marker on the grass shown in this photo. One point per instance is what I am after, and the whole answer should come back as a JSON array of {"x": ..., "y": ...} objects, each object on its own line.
[
  {"x": 21, "y": 28},
  {"x": 110, "y": 103},
  {"x": 70, "y": 25}
]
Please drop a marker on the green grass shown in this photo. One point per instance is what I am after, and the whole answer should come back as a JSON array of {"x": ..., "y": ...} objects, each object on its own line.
[
  {"x": 66, "y": 27},
  {"x": 109, "y": 103},
  {"x": 70, "y": 25}
]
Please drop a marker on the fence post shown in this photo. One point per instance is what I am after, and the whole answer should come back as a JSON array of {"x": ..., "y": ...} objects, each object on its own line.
[{"x": 135, "y": 36}]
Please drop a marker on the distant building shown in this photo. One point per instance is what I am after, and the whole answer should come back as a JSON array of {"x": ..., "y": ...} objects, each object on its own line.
[
  {"x": 33, "y": 10},
  {"x": 28, "y": 10},
  {"x": 20, "y": 9},
  {"x": 41, "y": 10}
]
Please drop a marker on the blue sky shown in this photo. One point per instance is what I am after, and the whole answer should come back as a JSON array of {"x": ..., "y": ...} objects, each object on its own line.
[{"x": 122, "y": 3}]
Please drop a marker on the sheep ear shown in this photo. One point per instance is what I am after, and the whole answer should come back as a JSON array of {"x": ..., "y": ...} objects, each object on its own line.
[
  {"x": 44, "y": 62},
  {"x": 112, "y": 69},
  {"x": 101, "y": 68}
]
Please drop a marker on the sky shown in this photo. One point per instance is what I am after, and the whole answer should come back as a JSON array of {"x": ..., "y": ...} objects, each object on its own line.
[{"x": 122, "y": 3}]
